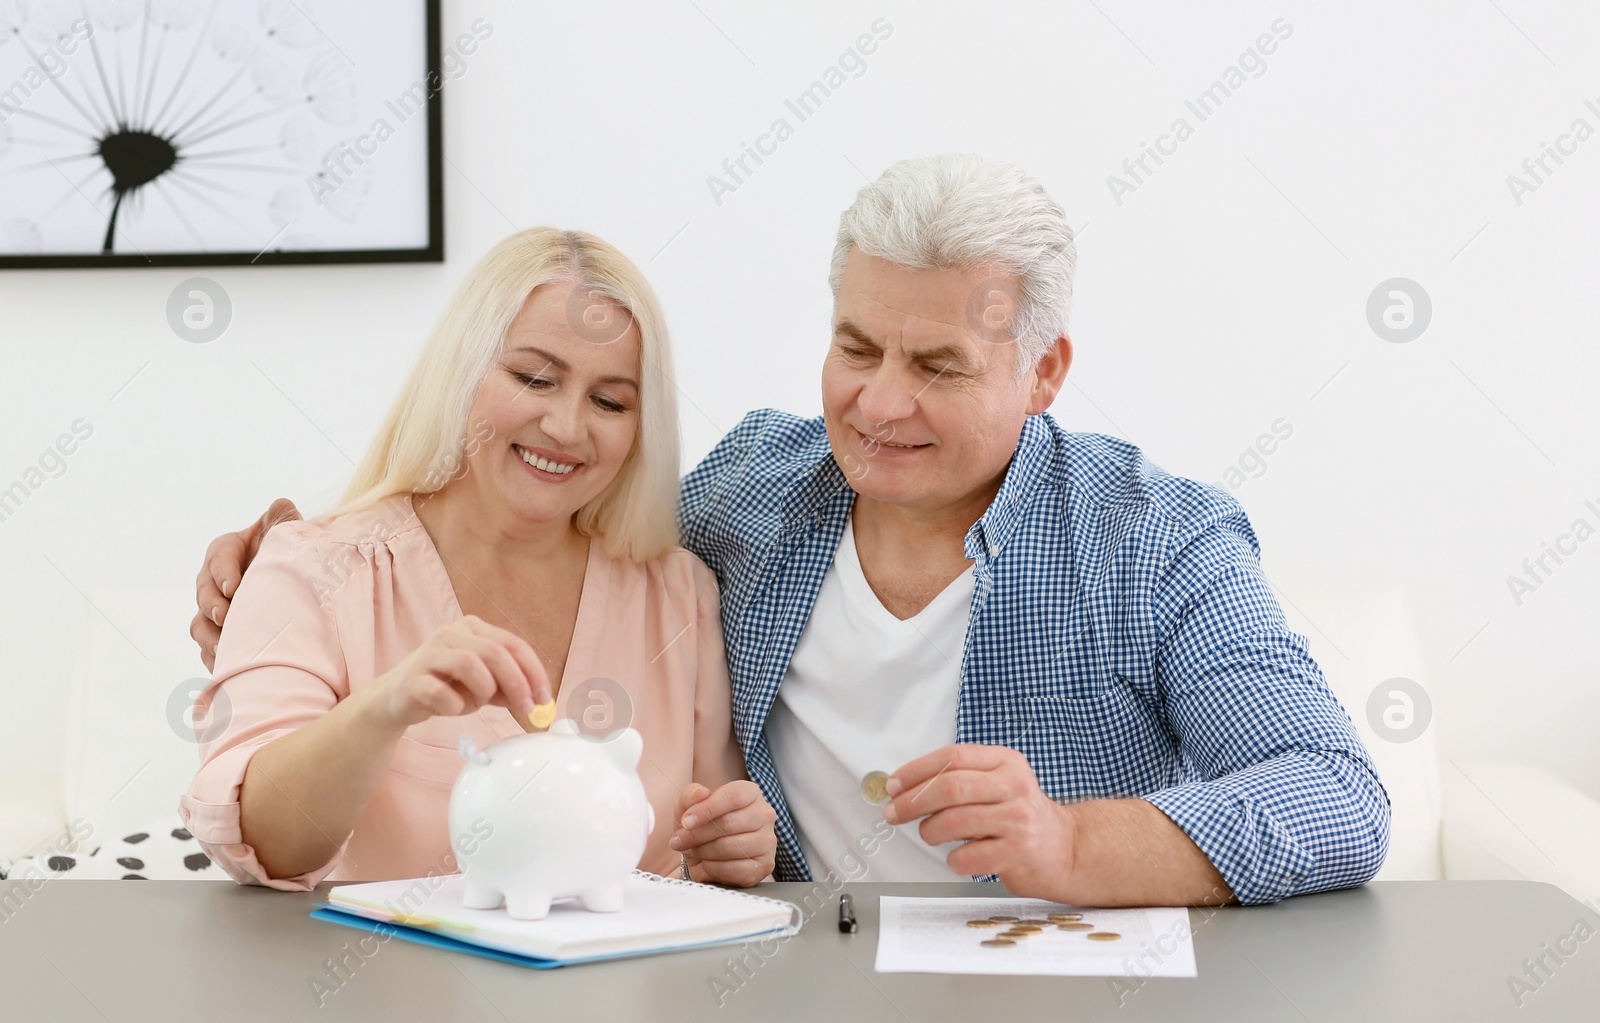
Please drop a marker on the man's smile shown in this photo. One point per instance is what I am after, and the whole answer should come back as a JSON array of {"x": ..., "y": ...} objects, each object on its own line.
[{"x": 873, "y": 444}]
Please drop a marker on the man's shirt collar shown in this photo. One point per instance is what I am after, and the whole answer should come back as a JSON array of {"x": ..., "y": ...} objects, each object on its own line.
[{"x": 995, "y": 526}]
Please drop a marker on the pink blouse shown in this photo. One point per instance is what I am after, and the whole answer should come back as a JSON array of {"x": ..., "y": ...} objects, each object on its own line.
[{"x": 328, "y": 607}]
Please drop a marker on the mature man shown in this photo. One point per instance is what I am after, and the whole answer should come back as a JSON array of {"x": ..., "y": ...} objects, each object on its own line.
[{"x": 1069, "y": 659}]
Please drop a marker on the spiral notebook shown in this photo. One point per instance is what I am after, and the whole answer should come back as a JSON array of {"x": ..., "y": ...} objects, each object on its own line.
[{"x": 658, "y": 914}]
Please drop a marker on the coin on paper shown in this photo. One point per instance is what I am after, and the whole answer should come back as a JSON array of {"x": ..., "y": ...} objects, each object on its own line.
[
  {"x": 1065, "y": 918},
  {"x": 998, "y": 943},
  {"x": 1076, "y": 926},
  {"x": 1036, "y": 923},
  {"x": 1104, "y": 936},
  {"x": 983, "y": 923},
  {"x": 874, "y": 788},
  {"x": 543, "y": 715},
  {"x": 1025, "y": 929},
  {"x": 1004, "y": 919}
]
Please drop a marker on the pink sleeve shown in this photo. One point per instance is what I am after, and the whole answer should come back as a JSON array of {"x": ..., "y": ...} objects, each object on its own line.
[
  {"x": 717, "y": 759},
  {"x": 279, "y": 666}
]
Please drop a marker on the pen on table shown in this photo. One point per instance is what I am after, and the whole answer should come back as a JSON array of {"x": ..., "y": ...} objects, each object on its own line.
[{"x": 847, "y": 915}]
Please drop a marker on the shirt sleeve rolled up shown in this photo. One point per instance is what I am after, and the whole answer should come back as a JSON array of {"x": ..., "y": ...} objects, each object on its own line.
[
  {"x": 1288, "y": 800},
  {"x": 279, "y": 667}
]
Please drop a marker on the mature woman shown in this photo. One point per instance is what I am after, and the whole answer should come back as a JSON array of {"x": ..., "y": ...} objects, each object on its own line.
[{"x": 509, "y": 537}]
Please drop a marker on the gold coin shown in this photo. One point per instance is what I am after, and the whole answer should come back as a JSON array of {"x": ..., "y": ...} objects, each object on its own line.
[
  {"x": 1026, "y": 929},
  {"x": 983, "y": 923},
  {"x": 1014, "y": 935},
  {"x": 997, "y": 943},
  {"x": 874, "y": 788},
  {"x": 1036, "y": 923},
  {"x": 1065, "y": 918},
  {"x": 1076, "y": 926},
  {"x": 543, "y": 715},
  {"x": 1004, "y": 919},
  {"x": 1104, "y": 936}
]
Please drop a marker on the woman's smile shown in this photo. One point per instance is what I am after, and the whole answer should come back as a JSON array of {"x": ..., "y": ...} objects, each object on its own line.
[{"x": 548, "y": 465}]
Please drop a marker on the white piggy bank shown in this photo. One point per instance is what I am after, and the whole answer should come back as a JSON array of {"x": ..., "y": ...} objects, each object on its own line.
[{"x": 565, "y": 815}]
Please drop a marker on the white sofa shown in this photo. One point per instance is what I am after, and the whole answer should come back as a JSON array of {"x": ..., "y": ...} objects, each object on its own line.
[
  {"x": 1453, "y": 819},
  {"x": 124, "y": 762},
  {"x": 112, "y": 758},
  {"x": 1511, "y": 820}
]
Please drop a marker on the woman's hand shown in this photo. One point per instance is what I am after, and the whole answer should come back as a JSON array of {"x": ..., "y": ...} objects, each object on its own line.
[
  {"x": 727, "y": 835},
  {"x": 465, "y": 665}
]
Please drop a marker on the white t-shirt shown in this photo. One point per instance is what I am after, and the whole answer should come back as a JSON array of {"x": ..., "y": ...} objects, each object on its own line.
[{"x": 866, "y": 692}]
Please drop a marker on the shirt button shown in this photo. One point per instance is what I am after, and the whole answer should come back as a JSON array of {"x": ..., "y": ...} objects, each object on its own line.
[{"x": 994, "y": 550}]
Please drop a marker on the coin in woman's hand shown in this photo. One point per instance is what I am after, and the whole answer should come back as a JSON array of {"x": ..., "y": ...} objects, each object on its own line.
[
  {"x": 543, "y": 715},
  {"x": 874, "y": 788}
]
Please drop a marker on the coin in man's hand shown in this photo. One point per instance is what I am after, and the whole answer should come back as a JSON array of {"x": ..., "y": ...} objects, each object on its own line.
[{"x": 874, "y": 788}]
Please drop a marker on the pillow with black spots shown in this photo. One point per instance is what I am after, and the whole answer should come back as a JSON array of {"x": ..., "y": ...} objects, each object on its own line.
[{"x": 161, "y": 853}]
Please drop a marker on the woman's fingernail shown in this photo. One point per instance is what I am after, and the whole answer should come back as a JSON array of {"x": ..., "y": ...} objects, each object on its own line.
[
  {"x": 690, "y": 821},
  {"x": 889, "y": 813},
  {"x": 226, "y": 587},
  {"x": 214, "y": 620},
  {"x": 675, "y": 844},
  {"x": 892, "y": 786}
]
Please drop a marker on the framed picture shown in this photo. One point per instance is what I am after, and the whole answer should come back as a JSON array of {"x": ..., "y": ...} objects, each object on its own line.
[{"x": 221, "y": 132}]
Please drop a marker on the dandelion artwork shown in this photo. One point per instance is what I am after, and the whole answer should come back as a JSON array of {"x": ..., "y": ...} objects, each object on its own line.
[{"x": 206, "y": 132}]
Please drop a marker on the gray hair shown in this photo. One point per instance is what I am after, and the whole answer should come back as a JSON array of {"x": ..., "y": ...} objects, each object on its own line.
[{"x": 963, "y": 212}]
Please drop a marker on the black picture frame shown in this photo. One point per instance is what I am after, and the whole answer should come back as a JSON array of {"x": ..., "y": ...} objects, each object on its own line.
[{"x": 432, "y": 252}]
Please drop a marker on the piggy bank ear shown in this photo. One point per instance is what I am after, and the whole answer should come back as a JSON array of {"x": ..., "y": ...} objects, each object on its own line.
[
  {"x": 624, "y": 748},
  {"x": 470, "y": 752}
]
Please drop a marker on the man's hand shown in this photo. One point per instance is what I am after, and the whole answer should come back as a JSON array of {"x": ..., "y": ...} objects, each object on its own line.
[
  {"x": 1099, "y": 852},
  {"x": 989, "y": 798},
  {"x": 727, "y": 835},
  {"x": 226, "y": 559}
]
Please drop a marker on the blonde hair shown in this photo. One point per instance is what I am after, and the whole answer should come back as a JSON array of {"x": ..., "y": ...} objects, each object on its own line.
[{"x": 422, "y": 439}]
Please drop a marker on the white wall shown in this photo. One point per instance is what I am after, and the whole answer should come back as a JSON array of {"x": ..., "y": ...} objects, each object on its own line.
[{"x": 1218, "y": 297}]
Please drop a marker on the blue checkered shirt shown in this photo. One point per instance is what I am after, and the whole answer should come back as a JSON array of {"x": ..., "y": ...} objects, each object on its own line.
[{"x": 1122, "y": 637}]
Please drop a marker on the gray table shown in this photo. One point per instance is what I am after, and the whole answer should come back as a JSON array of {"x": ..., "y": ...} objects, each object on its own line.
[{"x": 189, "y": 950}]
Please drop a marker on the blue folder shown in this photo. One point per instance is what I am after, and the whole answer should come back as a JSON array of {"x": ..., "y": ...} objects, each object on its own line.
[{"x": 423, "y": 936}]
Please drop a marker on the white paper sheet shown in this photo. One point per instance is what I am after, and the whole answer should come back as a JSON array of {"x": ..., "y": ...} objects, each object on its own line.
[{"x": 932, "y": 936}]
